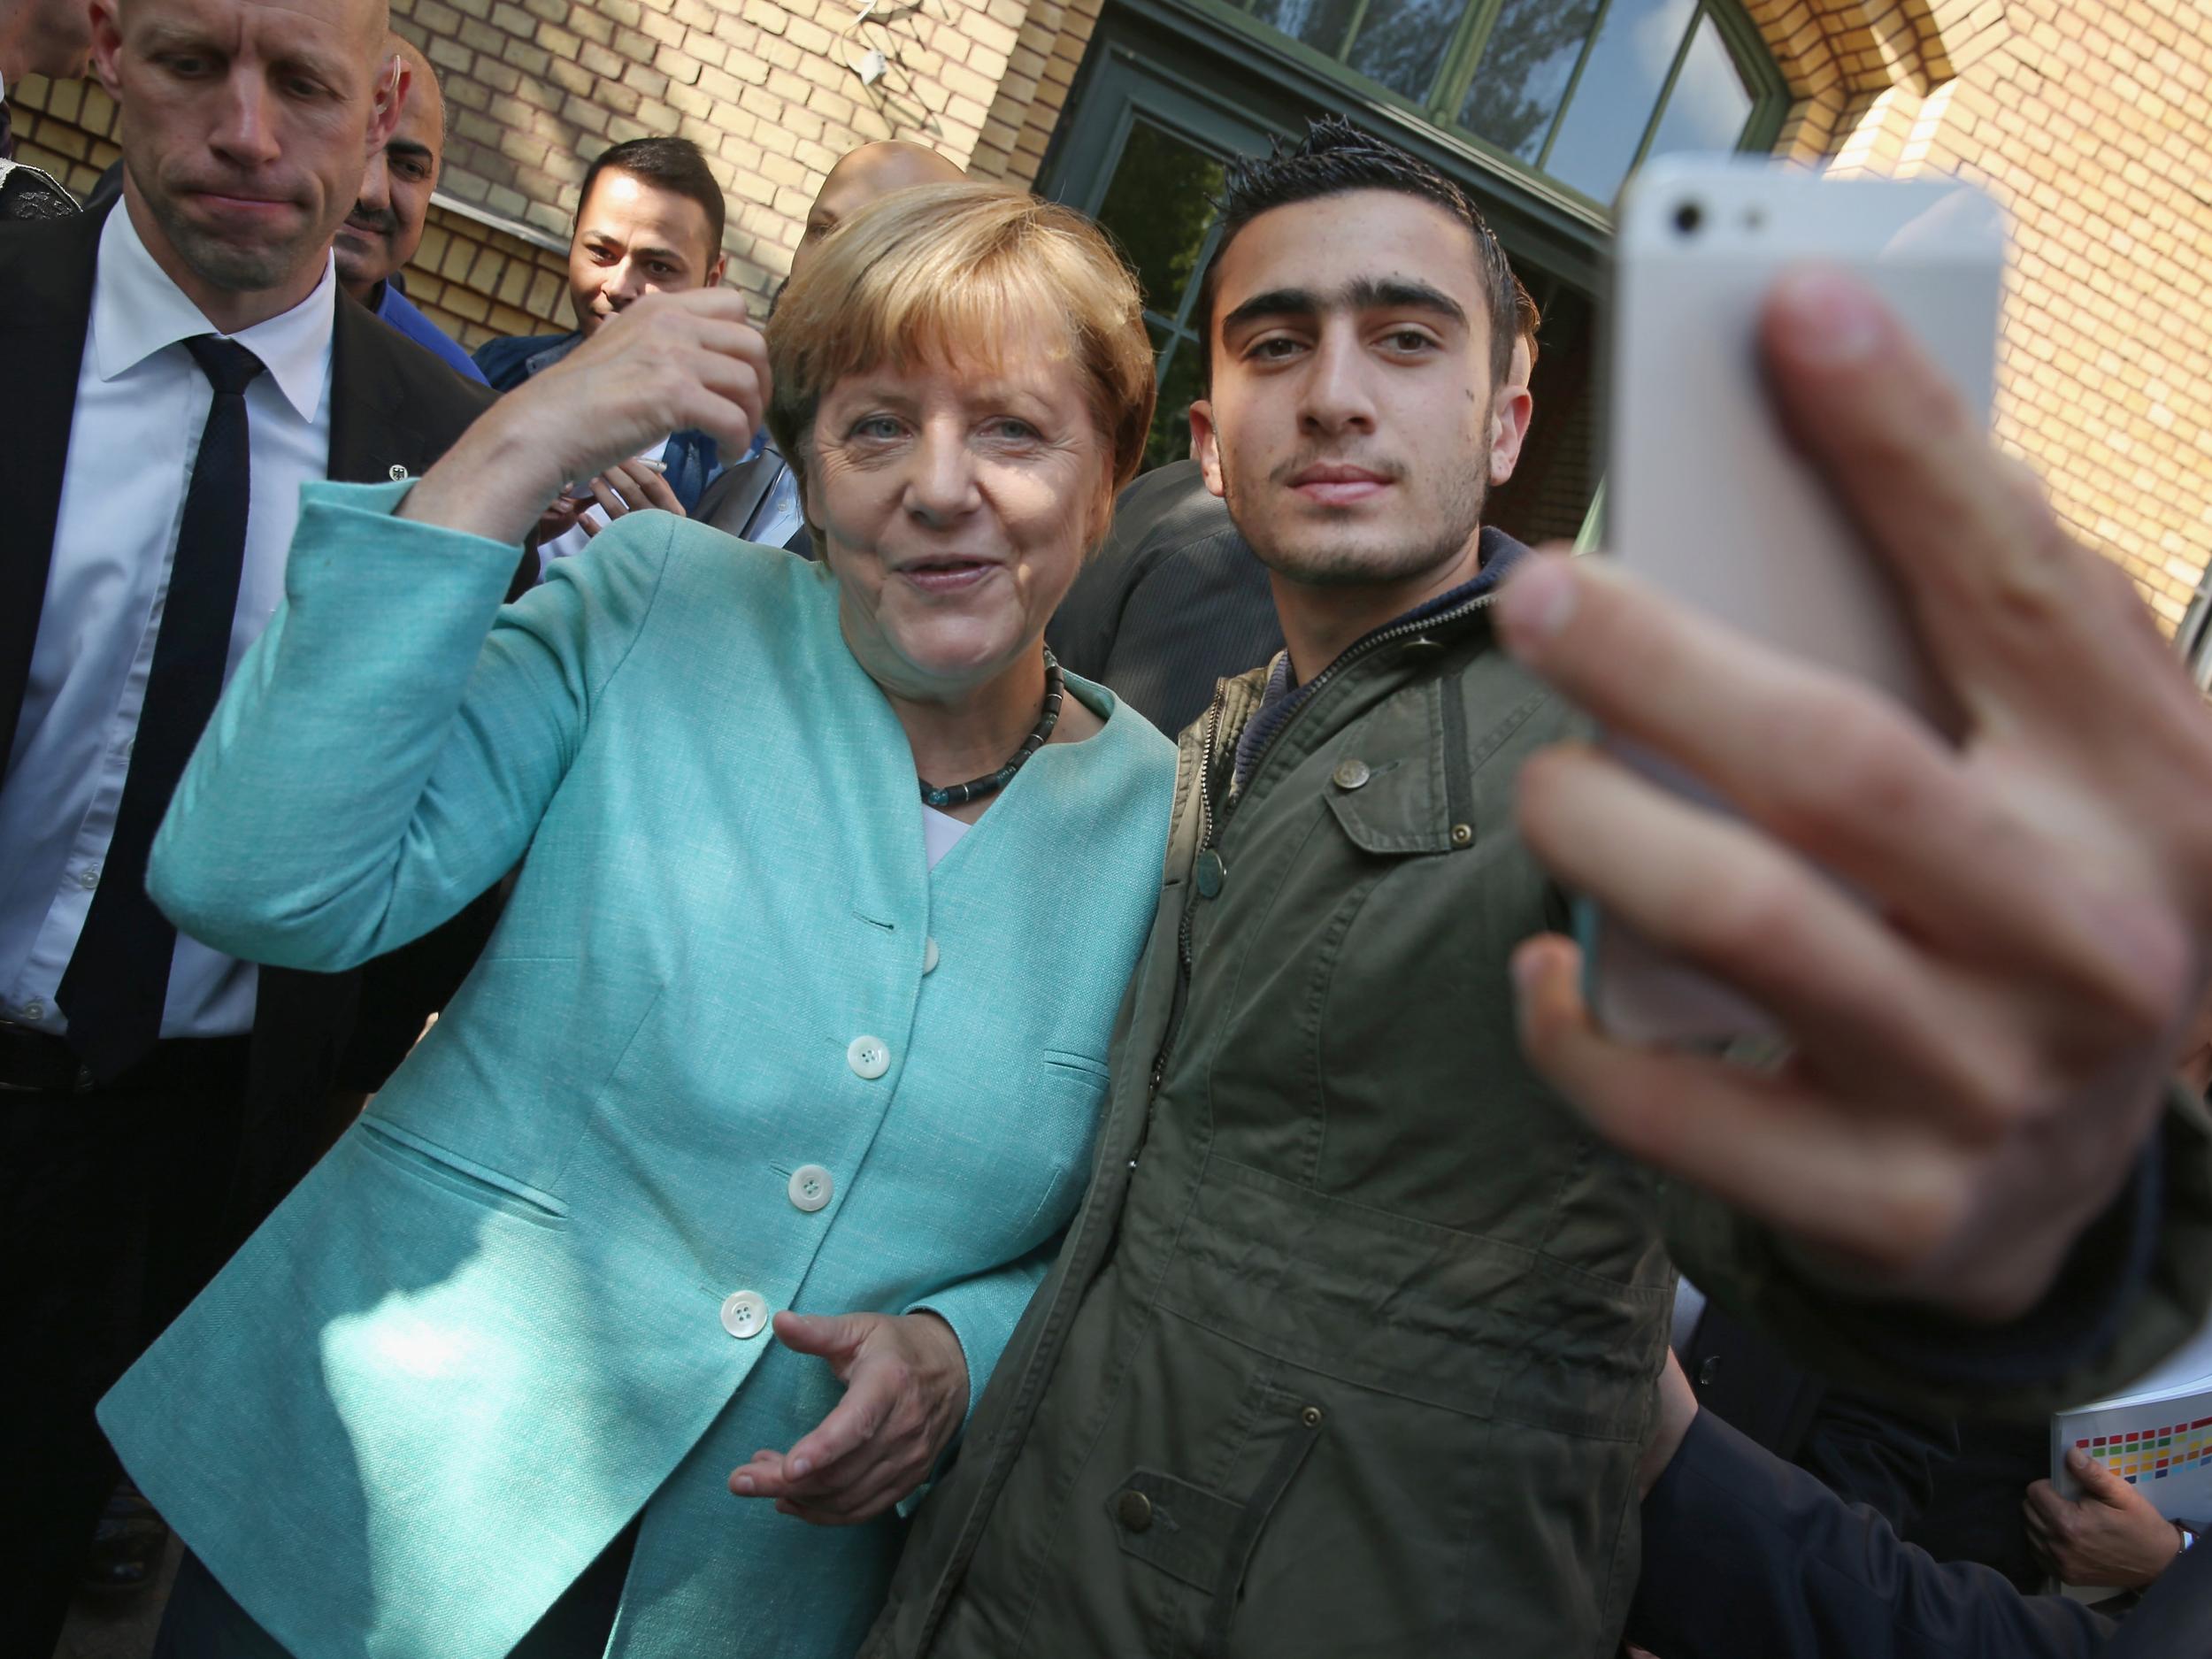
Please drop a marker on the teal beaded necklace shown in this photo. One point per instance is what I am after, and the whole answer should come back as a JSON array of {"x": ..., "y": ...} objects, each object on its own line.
[{"x": 991, "y": 783}]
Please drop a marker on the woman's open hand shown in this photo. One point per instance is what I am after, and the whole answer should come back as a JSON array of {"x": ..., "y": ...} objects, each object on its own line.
[
  {"x": 906, "y": 1391},
  {"x": 670, "y": 362}
]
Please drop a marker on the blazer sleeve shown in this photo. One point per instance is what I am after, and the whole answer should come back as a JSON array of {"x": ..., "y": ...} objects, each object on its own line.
[
  {"x": 1744, "y": 1555},
  {"x": 387, "y": 748},
  {"x": 984, "y": 1308}
]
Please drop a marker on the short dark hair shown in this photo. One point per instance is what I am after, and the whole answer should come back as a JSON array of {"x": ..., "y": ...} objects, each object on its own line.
[
  {"x": 1526, "y": 317},
  {"x": 1334, "y": 158},
  {"x": 676, "y": 165}
]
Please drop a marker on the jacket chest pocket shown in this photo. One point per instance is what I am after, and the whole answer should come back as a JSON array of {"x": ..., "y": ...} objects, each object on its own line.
[{"x": 1399, "y": 784}]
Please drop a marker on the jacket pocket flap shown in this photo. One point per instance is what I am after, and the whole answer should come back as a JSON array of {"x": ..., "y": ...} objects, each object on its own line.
[
  {"x": 1397, "y": 808},
  {"x": 463, "y": 1175},
  {"x": 1181, "y": 1529}
]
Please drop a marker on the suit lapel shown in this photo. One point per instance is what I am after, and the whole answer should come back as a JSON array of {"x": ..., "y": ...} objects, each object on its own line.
[
  {"x": 46, "y": 273},
  {"x": 371, "y": 432},
  {"x": 731, "y": 501}
]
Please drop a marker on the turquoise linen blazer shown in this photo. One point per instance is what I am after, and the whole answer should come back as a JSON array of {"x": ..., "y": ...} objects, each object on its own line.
[{"x": 488, "y": 1329}]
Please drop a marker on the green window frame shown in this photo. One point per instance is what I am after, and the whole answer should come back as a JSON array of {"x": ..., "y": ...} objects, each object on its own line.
[{"x": 1459, "y": 61}]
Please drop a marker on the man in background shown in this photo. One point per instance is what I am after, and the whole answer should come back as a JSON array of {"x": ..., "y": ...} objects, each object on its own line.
[
  {"x": 1175, "y": 600},
  {"x": 40, "y": 37},
  {"x": 757, "y": 498},
  {"x": 381, "y": 234},
  {"x": 177, "y": 364},
  {"x": 37, "y": 37},
  {"x": 649, "y": 220}
]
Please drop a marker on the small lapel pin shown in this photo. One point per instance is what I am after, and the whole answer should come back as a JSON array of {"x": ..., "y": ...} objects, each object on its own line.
[{"x": 398, "y": 472}]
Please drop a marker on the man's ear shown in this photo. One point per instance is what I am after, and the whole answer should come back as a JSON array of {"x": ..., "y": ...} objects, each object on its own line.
[
  {"x": 107, "y": 47},
  {"x": 1509, "y": 428},
  {"x": 714, "y": 271},
  {"x": 1203, "y": 447},
  {"x": 393, "y": 76}
]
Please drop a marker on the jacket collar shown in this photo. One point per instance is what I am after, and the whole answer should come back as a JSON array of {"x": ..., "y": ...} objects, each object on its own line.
[
  {"x": 138, "y": 311},
  {"x": 1279, "y": 699}
]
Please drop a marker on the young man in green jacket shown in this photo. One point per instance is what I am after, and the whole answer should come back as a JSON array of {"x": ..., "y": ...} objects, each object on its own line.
[{"x": 1351, "y": 1349}]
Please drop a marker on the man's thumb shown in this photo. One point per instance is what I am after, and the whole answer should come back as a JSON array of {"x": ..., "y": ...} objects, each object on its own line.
[{"x": 2097, "y": 1480}]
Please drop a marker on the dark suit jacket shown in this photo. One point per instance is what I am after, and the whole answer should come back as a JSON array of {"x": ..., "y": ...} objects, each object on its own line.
[
  {"x": 1746, "y": 1556},
  {"x": 1863, "y": 1448},
  {"x": 729, "y": 502},
  {"x": 1173, "y": 602},
  {"x": 393, "y": 405}
]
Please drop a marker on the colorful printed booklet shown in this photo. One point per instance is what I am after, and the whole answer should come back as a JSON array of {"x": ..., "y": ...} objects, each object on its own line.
[{"x": 2156, "y": 1435}]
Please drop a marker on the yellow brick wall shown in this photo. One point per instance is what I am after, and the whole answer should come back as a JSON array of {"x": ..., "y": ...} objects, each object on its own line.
[
  {"x": 2092, "y": 122},
  {"x": 768, "y": 90}
]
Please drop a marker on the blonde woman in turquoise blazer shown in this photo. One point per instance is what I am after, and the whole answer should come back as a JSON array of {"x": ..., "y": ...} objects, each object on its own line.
[{"x": 496, "y": 1371}]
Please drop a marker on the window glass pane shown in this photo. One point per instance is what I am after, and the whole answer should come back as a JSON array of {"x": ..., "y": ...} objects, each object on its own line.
[
  {"x": 1709, "y": 104},
  {"x": 1170, "y": 440},
  {"x": 1524, "y": 73},
  {"x": 1319, "y": 23},
  {"x": 1614, "y": 100},
  {"x": 1159, "y": 207},
  {"x": 1402, "y": 42}
]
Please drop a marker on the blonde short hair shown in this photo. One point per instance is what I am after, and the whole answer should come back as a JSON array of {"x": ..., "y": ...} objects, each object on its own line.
[{"x": 947, "y": 272}]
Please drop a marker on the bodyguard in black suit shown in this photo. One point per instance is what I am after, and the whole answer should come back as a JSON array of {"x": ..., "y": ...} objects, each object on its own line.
[{"x": 133, "y": 1156}]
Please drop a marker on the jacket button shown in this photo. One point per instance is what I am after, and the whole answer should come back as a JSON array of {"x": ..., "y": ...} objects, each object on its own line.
[
  {"x": 1211, "y": 874},
  {"x": 868, "y": 1056},
  {"x": 1462, "y": 835},
  {"x": 745, "y": 1314},
  {"x": 1133, "y": 1511},
  {"x": 811, "y": 1188},
  {"x": 1350, "y": 774},
  {"x": 1310, "y": 1417}
]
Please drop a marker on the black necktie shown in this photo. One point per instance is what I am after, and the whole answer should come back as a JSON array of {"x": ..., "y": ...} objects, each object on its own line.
[{"x": 119, "y": 977}]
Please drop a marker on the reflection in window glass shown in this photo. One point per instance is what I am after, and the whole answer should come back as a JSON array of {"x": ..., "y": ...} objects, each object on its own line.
[
  {"x": 1524, "y": 73},
  {"x": 1709, "y": 102},
  {"x": 1402, "y": 42},
  {"x": 1159, "y": 208},
  {"x": 1169, "y": 439},
  {"x": 1614, "y": 100},
  {"x": 1319, "y": 23}
]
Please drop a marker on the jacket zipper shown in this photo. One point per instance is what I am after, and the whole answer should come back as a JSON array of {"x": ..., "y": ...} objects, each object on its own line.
[{"x": 1210, "y": 827}]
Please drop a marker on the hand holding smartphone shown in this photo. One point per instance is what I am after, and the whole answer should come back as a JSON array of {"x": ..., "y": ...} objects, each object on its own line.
[{"x": 1706, "y": 498}]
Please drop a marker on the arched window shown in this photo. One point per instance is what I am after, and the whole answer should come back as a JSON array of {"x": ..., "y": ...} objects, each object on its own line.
[{"x": 1579, "y": 90}]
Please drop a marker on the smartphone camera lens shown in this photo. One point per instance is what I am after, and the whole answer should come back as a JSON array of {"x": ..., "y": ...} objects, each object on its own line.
[{"x": 1688, "y": 218}]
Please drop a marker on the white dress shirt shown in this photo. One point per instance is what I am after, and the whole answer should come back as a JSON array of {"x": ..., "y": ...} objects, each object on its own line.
[
  {"x": 575, "y": 539},
  {"x": 142, "y": 402}
]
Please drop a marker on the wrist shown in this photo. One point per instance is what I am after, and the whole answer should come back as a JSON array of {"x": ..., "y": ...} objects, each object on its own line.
[{"x": 495, "y": 480}]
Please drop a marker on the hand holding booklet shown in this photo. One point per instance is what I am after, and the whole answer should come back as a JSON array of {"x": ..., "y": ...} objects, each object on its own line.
[{"x": 2156, "y": 1436}]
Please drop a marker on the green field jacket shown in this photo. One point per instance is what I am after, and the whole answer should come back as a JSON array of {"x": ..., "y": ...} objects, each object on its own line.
[{"x": 1351, "y": 1348}]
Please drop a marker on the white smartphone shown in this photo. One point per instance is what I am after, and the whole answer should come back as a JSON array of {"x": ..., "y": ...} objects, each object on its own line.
[{"x": 1705, "y": 498}]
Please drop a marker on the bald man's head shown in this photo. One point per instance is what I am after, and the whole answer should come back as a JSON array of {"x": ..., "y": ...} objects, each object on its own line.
[
  {"x": 381, "y": 234},
  {"x": 865, "y": 175},
  {"x": 240, "y": 213}
]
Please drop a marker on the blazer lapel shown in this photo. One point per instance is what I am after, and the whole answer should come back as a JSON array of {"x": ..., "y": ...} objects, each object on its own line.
[{"x": 46, "y": 275}]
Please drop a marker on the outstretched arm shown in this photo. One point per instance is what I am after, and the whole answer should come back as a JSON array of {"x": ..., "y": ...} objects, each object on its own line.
[
  {"x": 1747, "y": 1555},
  {"x": 1980, "y": 1052}
]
